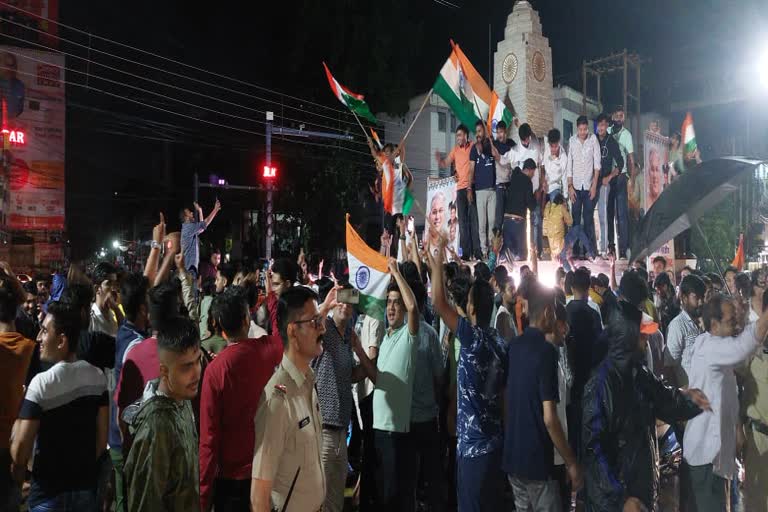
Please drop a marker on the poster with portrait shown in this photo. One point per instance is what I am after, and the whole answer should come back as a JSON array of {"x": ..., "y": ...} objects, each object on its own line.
[
  {"x": 656, "y": 173},
  {"x": 441, "y": 210},
  {"x": 33, "y": 85}
]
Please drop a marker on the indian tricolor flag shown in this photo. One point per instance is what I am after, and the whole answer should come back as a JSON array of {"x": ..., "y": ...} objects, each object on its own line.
[
  {"x": 463, "y": 89},
  {"x": 688, "y": 135},
  {"x": 498, "y": 112},
  {"x": 368, "y": 272},
  {"x": 394, "y": 187},
  {"x": 354, "y": 102}
]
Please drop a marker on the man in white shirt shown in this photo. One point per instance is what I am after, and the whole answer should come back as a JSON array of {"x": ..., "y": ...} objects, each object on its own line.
[
  {"x": 582, "y": 171},
  {"x": 709, "y": 445},
  {"x": 555, "y": 162}
]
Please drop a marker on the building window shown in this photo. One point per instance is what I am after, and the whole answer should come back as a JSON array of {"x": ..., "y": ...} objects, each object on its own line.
[
  {"x": 441, "y": 122},
  {"x": 567, "y": 131},
  {"x": 454, "y": 124}
]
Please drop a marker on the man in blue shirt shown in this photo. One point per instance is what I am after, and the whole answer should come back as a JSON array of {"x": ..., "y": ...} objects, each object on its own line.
[
  {"x": 190, "y": 232},
  {"x": 482, "y": 167},
  {"x": 532, "y": 427},
  {"x": 480, "y": 383}
]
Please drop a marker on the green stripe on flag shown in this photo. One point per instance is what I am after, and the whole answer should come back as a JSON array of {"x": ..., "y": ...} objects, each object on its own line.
[
  {"x": 372, "y": 306},
  {"x": 407, "y": 201},
  {"x": 461, "y": 105},
  {"x": 360, "y": 107}
]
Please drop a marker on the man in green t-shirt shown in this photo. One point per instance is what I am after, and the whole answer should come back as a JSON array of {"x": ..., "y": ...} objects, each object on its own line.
[{"x": 395, "y": 482}]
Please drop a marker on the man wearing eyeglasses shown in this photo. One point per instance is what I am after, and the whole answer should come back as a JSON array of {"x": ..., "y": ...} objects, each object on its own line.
[{"x": 287, "y": 469}]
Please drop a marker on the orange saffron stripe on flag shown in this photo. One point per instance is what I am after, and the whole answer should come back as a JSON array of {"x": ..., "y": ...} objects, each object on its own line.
[
  {"x": 475, "y": 79},
  {"x": 366, "y": 255}
]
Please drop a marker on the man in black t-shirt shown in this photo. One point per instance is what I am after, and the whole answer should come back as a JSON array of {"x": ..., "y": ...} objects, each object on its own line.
[{"x": 503, "y": 171}]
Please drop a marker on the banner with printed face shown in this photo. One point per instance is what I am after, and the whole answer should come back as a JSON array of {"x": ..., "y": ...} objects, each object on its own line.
[
  {"x": 441, "y": 211},
  {"x": 32, "y": 85},
  {"x": 656, "y": 173}
]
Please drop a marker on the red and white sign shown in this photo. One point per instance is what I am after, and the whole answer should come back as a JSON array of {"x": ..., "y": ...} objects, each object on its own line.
[
  {"x": 35, "y": 124},
  {"x": 15, "y": 137}
]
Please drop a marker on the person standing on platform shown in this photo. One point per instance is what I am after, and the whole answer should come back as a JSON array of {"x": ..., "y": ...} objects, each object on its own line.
[
  {"x": 611, "y": 167},
  {"x": 582, "y": 171},
  {"x": 618, "y": 205},
  {"x": 483, "y": 169},
  {"x": 467, "y": 208},
  {"x": 503, "y": 171}
]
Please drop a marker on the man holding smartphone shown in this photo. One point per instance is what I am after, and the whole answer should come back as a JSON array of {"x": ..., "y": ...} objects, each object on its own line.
[{"x": 335, "y": 372}]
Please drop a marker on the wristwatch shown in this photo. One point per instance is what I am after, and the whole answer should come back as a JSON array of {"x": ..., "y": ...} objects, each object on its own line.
[{"x": 155, "y": 244}]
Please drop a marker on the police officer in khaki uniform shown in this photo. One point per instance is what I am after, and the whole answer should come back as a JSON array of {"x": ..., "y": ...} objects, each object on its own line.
[{"x": 287, "y": 465}]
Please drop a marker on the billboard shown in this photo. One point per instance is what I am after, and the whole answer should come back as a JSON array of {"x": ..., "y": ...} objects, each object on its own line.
[
  {"x": 441, "y": 211},
  {"x": 32, "y": 85},
  {"x": 656, "y": 172},
  {"x": 41, "y": 16}
]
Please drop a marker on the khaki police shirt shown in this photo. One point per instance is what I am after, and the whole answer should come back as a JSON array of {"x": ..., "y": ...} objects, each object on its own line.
[{"x": 288, "y": 437}]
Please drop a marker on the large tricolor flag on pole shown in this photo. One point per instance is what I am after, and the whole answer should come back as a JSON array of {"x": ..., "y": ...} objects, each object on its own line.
[
  {"x": 368, "y": 272},
  {"x": 498, "y": 112},
  {"x": 354, "y": 102},
  {"x": 688, "y": 136},
  {"x": 463, "y": 89}
]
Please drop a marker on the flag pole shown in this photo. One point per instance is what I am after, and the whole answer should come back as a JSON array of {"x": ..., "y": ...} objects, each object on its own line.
[
  {"x": 359, "y": 123},
  {"x": 423, "y": 104}
]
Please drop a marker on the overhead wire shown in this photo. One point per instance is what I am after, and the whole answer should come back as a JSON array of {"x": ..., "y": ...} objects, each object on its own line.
[
  {"x": 168, "y": 59},
  {"x": 199, "y": 119},
  {"x": 88, "y": 74}
]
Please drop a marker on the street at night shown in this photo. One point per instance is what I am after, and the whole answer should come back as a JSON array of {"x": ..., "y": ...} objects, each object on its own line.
[{"x": 413, "y": 256}]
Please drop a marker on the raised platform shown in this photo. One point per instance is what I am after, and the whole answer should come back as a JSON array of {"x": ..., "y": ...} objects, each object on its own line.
[{"x": 548, "y": 268}]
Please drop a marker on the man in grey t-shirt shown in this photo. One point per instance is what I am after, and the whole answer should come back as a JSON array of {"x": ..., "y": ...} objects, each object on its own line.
[{"x": 190, "y": 231}]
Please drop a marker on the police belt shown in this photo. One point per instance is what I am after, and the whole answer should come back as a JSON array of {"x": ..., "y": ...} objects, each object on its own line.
[{"x": 758, "y": 425}]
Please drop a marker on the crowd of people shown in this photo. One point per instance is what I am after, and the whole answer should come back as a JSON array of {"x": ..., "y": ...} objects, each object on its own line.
[
  {"x": 513, "y": 182},
  {"x": 472, "y": 392}
]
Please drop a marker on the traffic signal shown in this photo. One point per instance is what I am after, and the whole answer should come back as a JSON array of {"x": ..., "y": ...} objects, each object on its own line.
[{"x": 270, "y": 172}]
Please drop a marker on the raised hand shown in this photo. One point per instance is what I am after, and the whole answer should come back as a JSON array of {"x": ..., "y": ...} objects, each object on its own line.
[
  {"x": 158, "y": 232},
  {"x": 392, "y": 264}
]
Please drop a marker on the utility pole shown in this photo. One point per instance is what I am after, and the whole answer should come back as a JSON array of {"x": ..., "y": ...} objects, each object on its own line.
[{"x": 270, "y": 234}]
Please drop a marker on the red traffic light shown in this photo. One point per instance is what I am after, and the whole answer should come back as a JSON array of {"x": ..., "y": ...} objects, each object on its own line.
[{"x": 270, "y": 172}]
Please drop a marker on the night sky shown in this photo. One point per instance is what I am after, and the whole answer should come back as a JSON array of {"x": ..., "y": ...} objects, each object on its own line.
[{"x": 390, "y": 51}]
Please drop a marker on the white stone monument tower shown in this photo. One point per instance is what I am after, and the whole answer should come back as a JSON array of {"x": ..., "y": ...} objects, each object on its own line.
[{"x": 523, "y": 69}]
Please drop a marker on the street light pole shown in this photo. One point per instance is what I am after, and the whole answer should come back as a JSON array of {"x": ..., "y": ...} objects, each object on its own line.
[{"x": 270, "y": 234}]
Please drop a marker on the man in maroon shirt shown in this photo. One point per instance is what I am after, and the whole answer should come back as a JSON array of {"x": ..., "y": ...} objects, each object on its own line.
[{"x": 232, "y": 387}]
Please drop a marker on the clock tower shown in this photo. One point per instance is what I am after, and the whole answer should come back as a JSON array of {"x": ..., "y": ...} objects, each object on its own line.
[{"x": 523, "y": 69}]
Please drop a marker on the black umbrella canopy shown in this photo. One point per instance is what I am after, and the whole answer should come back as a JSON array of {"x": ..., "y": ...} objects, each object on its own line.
[{"x": 687, "y": 199}]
